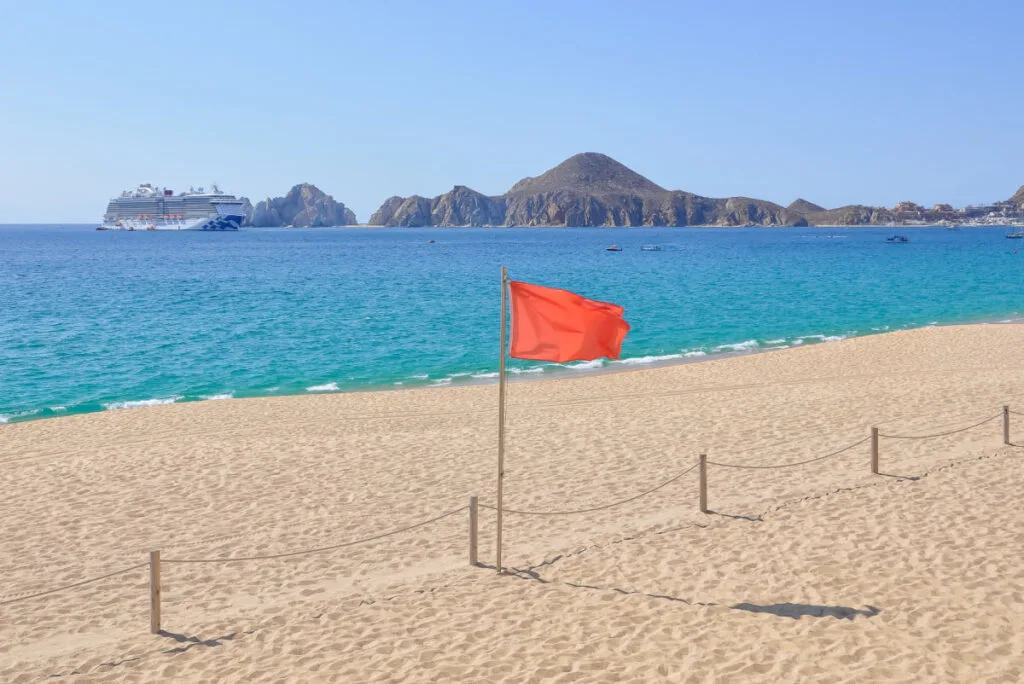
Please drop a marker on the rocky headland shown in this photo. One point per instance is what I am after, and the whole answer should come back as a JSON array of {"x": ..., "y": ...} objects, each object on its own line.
[
  {"x": 304, "y": 205},
  {"x": 587, "y": 189},
  {"x": 592, "y": 189}
]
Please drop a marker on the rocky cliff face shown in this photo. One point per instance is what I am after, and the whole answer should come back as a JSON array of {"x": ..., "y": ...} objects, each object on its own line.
[
  {"x": 247, "y": 211},
  {"x": 304, "y": 205},
  {"x": 852, "y": 215},
  {"x": 585, "y": 190},
  {"x": 459, "y": 207},
  {"x": 1018, "y": 197}
]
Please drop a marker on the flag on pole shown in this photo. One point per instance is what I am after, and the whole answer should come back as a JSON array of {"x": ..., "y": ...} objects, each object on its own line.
[{"x": 549, "y": 324}]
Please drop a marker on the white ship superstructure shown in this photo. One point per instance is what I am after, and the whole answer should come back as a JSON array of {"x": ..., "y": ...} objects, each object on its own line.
[{"x": 154, "y": 208}]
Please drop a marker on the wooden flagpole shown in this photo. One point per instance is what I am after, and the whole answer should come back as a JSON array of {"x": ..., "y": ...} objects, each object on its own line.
[{"x": 501, "y": 415}]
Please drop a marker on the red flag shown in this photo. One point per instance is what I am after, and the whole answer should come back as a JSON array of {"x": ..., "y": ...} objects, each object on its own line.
[{"x": 549, "y": 324}]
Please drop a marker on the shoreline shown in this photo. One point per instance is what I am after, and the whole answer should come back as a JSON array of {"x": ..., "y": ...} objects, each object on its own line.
[
  {"x": 640, "y": 588},
  {"x": 533, "y": 374}
]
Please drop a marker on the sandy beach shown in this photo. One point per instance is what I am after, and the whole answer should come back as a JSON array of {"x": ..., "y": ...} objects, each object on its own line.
[{"x": 820, "y": 572}]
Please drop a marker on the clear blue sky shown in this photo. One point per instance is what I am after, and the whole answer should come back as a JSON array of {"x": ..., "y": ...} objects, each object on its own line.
[{"x": 852, "y": 102}]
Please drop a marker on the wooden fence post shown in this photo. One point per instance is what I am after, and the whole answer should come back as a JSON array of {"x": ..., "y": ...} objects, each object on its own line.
[
  {"x": 472, "y": 530},
  {"x": 1006, "y": 425},
  {"x": 703, "y": 483},
  {"x": 154, "y": 592},
  {"x": 874, "y": 451}
]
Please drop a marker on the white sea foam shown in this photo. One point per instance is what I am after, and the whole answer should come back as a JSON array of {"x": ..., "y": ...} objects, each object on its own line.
[
  {"x": 780, "y": 341},
  {"x": 814, "y": 338},
  {"x": 640, "y": 360},
  {"x": 8, "y": 417},
  {"x": 327, "y": 387},
  {"x": 119, "y": 405},
  {"x": 778, "y": 346},
  {"x": 441, "y": 381},
  {"x": 218, "y": 397},
  {"x": 692, "y": 354},
  {"x": 55, "y": 409},
  {"x": 585, "y": 365},
  {"x": 424, "y": 376},
  {"x": 739, "y": 346},
  {"x": 510, "y": 371}
]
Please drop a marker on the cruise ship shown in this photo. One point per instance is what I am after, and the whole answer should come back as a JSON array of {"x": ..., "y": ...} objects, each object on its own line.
[{"x": 154, "y": 208}]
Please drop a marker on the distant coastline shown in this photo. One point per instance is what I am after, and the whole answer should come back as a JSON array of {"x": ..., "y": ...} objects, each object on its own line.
[{"x": 593, "y": 190}]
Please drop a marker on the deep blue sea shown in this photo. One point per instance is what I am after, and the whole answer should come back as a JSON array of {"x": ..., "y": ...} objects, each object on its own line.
[{"x": 93, "y": 321}]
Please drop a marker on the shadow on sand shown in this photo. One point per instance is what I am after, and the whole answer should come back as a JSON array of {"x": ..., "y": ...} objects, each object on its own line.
[
  {"x": 751, "y": 518},
  {"x": 192, "y": 642},
  {"x": 789, "y": 610},
  {"x": 912, "y": 478},
  {"x": 799, "y": 610}
]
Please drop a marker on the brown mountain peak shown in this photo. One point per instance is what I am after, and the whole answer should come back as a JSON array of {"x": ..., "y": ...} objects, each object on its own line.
[{"x": 591, "y": 173}]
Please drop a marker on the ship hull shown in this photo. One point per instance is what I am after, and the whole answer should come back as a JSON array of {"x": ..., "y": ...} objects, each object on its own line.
[{"x": 221, "y": 223}]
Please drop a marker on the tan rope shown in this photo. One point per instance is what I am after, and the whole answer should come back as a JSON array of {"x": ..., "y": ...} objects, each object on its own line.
[
  {"x": 72, "y": 586},
  {"x": 790, "y": 465},
  {"x": 320, "y": 548},
  {"x": 942, "y": 434},
  {"x": 447, "y": 514},
  {"x": 596, "y": 508}
]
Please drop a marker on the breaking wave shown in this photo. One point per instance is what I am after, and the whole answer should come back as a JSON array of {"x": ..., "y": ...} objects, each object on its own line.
[
  {"x": 326, "y": 387},
  {"x": 739, "y": 346},
  {"x": 120, "y": 405},
  {"x": 8, "y": 417}
]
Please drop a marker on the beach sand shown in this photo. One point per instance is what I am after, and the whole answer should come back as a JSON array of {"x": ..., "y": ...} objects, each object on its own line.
[{"x": 821, "y": 572}]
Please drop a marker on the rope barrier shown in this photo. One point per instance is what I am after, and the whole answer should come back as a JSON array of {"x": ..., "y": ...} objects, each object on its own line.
[
  {"x": 941, "y": 434},
  {"x": 318, "y": 549},
  {"x": 18, "y": 598},
  {"x": 596, "y": 508},
  {"x": 72, "y": 586},
  {"x": 790, "y": 465}
]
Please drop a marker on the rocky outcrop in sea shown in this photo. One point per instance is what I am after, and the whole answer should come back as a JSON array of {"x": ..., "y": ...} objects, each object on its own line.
[{"x": 303, "y": 205}]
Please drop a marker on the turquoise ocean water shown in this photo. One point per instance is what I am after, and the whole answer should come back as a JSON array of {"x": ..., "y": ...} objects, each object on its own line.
[{"x": 93, "y": 321}]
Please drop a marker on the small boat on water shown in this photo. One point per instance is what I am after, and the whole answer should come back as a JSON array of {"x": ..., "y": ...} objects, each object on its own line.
[
  {"x": 1015, "y": 235},
  {"x": 897, "y": 239},
  {"x": 613, "y": 248},
  {"x": 650, "y": 248}
]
